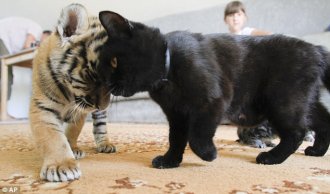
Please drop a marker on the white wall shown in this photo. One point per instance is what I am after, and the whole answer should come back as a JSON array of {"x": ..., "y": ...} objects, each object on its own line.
[{"x": 45, "y": 12}]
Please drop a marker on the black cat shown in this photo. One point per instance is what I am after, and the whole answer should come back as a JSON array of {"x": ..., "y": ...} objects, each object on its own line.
[{"x": 196, "y": 79}]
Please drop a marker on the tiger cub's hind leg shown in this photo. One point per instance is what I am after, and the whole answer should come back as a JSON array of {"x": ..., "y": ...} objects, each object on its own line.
[
  {"x": 72, "y": 132},
  {"x": 100, "y": 132}
]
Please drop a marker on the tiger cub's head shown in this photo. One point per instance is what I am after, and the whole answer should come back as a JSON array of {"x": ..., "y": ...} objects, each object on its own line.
[{"x": 74, "y": 58}]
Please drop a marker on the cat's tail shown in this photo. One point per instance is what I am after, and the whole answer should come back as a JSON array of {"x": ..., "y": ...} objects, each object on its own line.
[{"x": 325, "y": 65}]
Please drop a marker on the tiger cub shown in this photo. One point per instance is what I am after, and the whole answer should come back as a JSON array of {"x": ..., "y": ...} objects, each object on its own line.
[{"x": 66, "y": 88}]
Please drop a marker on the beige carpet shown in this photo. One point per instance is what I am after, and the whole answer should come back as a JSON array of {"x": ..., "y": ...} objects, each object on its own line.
[{"x": 129, "y": 170}]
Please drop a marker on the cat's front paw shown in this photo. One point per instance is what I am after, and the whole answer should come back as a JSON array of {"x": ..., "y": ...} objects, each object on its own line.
[
  {"x": 106, "y": 147},
  {"x": 267, "y": 158},
  {"x": 161, "y": 163},
  {"x": 59, "y": 172},
  {"x": 78, "y": 153}
]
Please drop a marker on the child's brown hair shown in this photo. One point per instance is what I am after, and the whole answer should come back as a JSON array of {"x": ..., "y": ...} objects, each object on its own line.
[{"x": 234, "y": 7}]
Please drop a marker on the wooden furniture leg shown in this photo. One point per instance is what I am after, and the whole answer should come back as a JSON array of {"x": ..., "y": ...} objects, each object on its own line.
[{"x": 4, "y": 90}]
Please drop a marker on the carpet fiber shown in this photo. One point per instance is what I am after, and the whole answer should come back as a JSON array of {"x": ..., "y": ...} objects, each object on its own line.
[{"x": 129, "y": 170}]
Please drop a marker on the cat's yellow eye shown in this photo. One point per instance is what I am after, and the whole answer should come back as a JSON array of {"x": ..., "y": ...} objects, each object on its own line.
[{"x": 114, "y": 62}]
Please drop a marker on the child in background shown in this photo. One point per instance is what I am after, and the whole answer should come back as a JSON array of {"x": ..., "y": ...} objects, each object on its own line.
[{"x": 235, "y": 17}]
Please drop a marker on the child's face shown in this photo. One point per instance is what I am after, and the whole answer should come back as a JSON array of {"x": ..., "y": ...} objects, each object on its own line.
[{"x": 236, "y": 21}]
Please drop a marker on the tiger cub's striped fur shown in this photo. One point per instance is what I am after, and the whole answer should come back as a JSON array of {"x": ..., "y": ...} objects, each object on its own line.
[{"x": 66, "y": 88}]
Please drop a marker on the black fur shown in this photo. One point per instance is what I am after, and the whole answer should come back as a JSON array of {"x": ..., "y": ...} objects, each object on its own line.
[{"x": 248, "y": 79}]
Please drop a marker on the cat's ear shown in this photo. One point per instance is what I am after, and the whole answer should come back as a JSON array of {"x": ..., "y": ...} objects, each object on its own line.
[
  {"x": 115, "y": 24},
  {"x": 72, "y": 21}
]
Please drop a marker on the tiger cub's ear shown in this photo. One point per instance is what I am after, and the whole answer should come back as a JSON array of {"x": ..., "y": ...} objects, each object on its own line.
[{"x": 73, "y": 20}]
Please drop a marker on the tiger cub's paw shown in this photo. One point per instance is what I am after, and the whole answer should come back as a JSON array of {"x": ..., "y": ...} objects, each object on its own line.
[
  {"x": 78, "y": 153},
  {"x": 106, "y": 147},
  {"x": 68, "y": 170}
]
